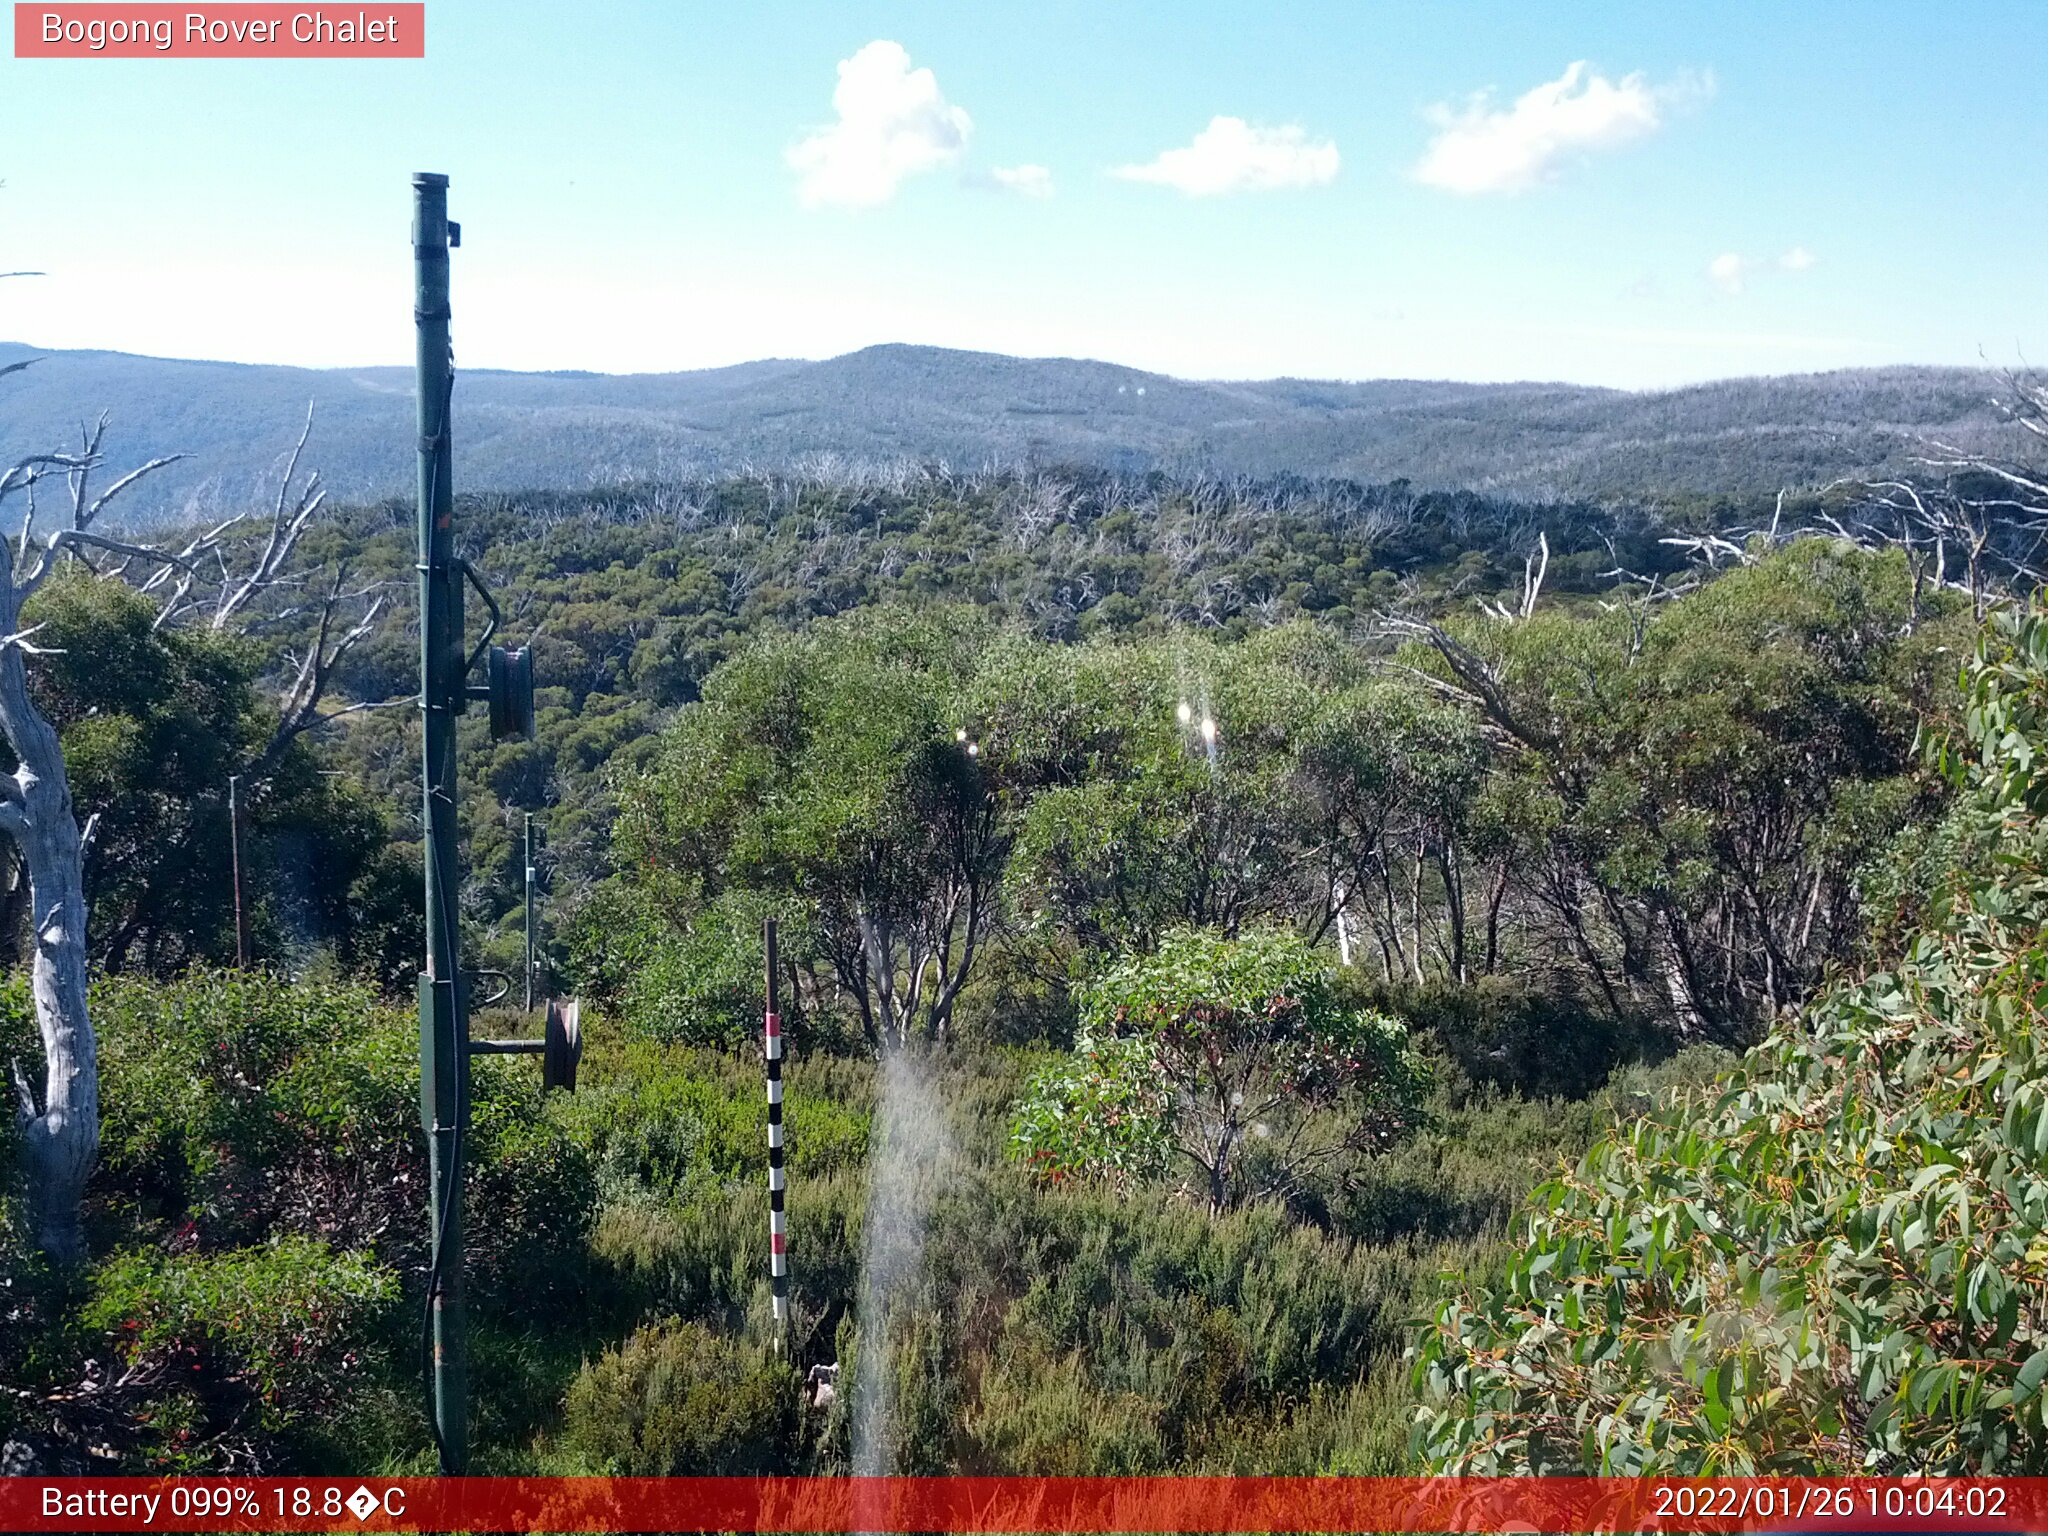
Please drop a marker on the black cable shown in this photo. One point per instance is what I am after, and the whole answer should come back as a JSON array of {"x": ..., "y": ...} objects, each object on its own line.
[{"x": 447, "y": 1191}]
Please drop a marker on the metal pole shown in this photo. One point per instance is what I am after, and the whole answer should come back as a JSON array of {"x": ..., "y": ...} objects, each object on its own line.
[
  {"x": 444, "y": 1031},
  {"x": 235, "y": 858},
  {"x": 778, "y": 1232},
  {"x": 529, "y": 912}
]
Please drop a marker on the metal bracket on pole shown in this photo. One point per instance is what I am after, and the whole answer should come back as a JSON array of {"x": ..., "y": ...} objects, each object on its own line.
[{"x": 560, "y": 1047}]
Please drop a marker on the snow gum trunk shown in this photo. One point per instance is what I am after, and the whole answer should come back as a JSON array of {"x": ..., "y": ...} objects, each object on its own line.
[{"x": 61, "y": 1135}]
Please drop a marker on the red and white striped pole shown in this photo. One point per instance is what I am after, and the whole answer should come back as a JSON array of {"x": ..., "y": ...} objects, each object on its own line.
[{"x": 778, "y": 1232}]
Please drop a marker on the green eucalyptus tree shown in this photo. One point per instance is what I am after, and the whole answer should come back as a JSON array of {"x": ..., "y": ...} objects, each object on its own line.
[
  {"x": 1234, "y": 1057},
  {"x": 1833, "y": 1261},
  {"x": 1696, "y": 788},
  {"x": 836, "y": 772}
]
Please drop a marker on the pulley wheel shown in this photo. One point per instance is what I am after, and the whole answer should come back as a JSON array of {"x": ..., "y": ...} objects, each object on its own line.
[{"x": 511, "y": 693}]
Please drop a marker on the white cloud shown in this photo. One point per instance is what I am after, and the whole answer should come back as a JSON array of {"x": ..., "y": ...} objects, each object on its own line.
[
  {"x": 1484, "y": 148},
  {"x": 1232, "y": 155},
  {"x": 1024, "y": 180},
  {"x": 1731, "y": 271},
  {"x": 893, "y": 123}
]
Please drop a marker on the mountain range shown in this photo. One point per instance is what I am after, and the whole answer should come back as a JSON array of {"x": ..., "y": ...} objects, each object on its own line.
[{"x": 1737, "y": 437}]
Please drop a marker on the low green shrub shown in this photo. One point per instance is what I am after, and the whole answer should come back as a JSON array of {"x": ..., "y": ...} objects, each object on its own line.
[
  {"x": 1084, "y": 1332},
  {"x": 1079, "y": 1330},
  {"x": 23, "y": 1306},
  {"x": 706, "y": 1258},
  {"x": 1104, "y": 1114},
  {"x": 1235, "y": 1059},
  {"x": 1539, "y": 1044},
  {"x": 1467, "y": 1170},
  {"x": 677, "y": 1399},
  {"x": 238, "y": 1107},
  {"x": 283, "y": 1326},
  {"x": 663, "y": 1120}
]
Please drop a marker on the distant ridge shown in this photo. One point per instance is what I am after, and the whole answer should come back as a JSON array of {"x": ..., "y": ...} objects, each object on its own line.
[{"x": 567, "y": 430}]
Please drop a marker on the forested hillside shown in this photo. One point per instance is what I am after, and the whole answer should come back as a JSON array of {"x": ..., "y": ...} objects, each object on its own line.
[
  {"x": 1206, "y": 909},
  {"x": 897, "y": 404}
]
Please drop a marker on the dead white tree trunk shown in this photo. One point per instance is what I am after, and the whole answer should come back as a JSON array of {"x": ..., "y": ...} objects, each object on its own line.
[
  {"x": 61, "y": 1134},
  {"x": 61, "y": 1130}
]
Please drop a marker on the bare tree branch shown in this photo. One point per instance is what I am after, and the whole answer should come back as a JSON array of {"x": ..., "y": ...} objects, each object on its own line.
[
  {"x": 288, "y": 521},
  {"x": 25, "y": 1107},
  {"x": 19, "y": 640},
  {"x": 124, "y": 482},
  {"x": 65, "y": 538}
]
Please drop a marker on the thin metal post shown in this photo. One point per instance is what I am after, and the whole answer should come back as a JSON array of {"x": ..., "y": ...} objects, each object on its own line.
[
  {"x": 444, "y": 1028},
  {"x": 235, "y": 859},
  {"x": 529, "y": 912},
  {"x": 778, "y": 1232}
]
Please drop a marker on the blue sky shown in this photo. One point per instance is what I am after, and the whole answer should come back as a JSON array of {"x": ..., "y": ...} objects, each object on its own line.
[{"x": 1644, "y": 195}]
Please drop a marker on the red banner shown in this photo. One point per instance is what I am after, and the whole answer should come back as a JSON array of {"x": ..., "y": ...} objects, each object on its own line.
[
  {"x": 1023, "y": 1504},
  {"x": 240, "y": 31}
]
